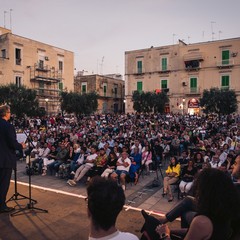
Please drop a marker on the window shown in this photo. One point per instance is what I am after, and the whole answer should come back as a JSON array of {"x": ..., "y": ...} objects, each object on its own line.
[
  {"x": 18, "y": 81},
  {"x": 84, "y": 88},
  {"x": 193, "y": 85},
  {"x": 192, "y": 64},
  {"x": 60, "y": 86},
  {"x": 164, "y": 64},
  {"x": 225, "y": 82},
  {"x": 105, "y": 90},
  {"x": 41, "y": 64},
  {"x": 164, "y": 84},
  {"x": 139, "y": 86},
  {"x": 139, "y": 67},
  {"x": 18, "y": 56},
  {"x": 3, "y": 53},
  {"x": 41, "y": 87},
  {"x": 225, "y": 57},
  {"x": 60, "y": 65}
]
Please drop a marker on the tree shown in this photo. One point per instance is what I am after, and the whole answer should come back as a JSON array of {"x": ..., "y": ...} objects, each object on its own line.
[
  {"x": 149, "y": 101},
  {"x": 23, "y": 101},
  {"x": 159, "y": 101},
  {"x": 218, "y": 101},
  {"x": 79, "y": 104}
]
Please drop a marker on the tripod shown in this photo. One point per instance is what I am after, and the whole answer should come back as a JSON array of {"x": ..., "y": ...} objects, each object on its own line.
[
  {"x": 17, "y": 196},
  {"x": 30, "y": 205},
  {"x": 156, "y": 182}
]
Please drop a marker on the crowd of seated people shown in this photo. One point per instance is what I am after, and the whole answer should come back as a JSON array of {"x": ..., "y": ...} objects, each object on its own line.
[{"x": 150, "y": 138}]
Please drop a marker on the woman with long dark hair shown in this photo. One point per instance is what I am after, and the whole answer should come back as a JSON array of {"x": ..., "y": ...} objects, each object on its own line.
[{"x": 216, "y": 206}]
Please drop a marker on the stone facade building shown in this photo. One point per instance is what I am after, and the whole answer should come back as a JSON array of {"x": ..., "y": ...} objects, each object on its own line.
[
  {"x": 39, "y": 66},
  {"x": 183, "y": 71},
  {"x": 110, "y": 89}
]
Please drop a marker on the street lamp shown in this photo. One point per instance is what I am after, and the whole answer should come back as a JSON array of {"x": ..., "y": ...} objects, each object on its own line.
[
  {"x": 183, "y": 101},
  {"x": 124, "y": 105},
  {"x": 46, "y": 100}
]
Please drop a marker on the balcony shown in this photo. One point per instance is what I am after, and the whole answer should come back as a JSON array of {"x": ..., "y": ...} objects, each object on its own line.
[
  {"x": 140, "y": 71},
  {"x": 40, "y": 72},
  {"x": 193, "y": 91},
  {"x": 41, "y": 67},
  {"x": 18, "y": 61},
  {"x": 228, "y": 63},
  {"x": 224, "y": 87},
  {"x": 193, "y": 65},
  {"x": 47, "y": 93},
  {"x": 165, "y": 70}
]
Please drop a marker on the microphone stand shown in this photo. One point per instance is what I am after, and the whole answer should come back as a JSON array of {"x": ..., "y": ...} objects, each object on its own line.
[
  {"x": 156, "y": 182},
  {"x": 30, "y": 205},
  {"x": 16, "y": 196}
]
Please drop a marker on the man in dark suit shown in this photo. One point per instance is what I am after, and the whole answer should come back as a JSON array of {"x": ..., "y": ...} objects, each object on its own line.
[{"x": 8, "y": 147}]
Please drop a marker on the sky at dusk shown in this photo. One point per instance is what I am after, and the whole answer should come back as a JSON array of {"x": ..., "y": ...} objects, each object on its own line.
[{"x": 100, "y": 31}]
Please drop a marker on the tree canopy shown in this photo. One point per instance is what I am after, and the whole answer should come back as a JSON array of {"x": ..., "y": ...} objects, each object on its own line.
[
  {"x": 149, "y": 101},
  {"x": 23, "y": 101},
  {"x": 79, "y": 103},
  {"x": 219, "y": 101}
]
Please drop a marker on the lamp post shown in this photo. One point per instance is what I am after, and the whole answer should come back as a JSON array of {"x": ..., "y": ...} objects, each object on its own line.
[
  {"x": 124, "y": 105},
  {"x": 46, "y": 100},
  {"x": 183, "y": 102}
]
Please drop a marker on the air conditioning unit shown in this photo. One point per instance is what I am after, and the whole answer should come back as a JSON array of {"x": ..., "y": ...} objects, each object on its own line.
[
  {"x": 184, "y": 84},
  {"x": 46, "y": 58}
]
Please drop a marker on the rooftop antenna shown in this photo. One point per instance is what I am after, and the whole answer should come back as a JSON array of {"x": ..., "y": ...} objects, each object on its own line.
[
  {"x": 212, "y": 30},
  {"x": 219, "y": 34},
  {"x": 102, "y": 65},
  {"x": 97, "y": 66},
  {"x": 10, "y": 19},
  {"x": 174, "y": 38},
  {"x": 5, "y": 19}
]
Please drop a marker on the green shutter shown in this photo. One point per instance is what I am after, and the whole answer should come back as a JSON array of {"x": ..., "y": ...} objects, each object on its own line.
[
  {"x": 164, "y": 84},
  {"x": 60, "y": 86},
  {"x": 225, "y": 57},
  {"x": 225, "y": 82},
  {"x": 139, "y": 86},
  {"x": 105, "y": 90},
  {"x": 164, "y": 64},
  {"x": 139, "y": 66},
  {"x": 193, "y": 85},
  {"x": 84, "y": 89}
]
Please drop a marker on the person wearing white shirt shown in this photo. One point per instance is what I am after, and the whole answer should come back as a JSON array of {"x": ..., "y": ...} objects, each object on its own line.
[
  {"x": 84, "y": 168},
  {"x": 123, "y": 166}
]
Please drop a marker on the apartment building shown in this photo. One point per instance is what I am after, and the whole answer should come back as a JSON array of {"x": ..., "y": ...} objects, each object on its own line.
[
  {"x": 183, "y": 71},
  {"x": 36, "y": 65},
  {"x": 110, "y": 89}
]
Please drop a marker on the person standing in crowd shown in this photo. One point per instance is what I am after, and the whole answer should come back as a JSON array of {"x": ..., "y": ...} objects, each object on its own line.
[
  {"x": 105, "y": 201},
  {"x": 8, "y": 158}
]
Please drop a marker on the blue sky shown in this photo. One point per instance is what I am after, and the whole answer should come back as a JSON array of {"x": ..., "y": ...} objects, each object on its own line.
[{"x": 100, "y": 31}]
